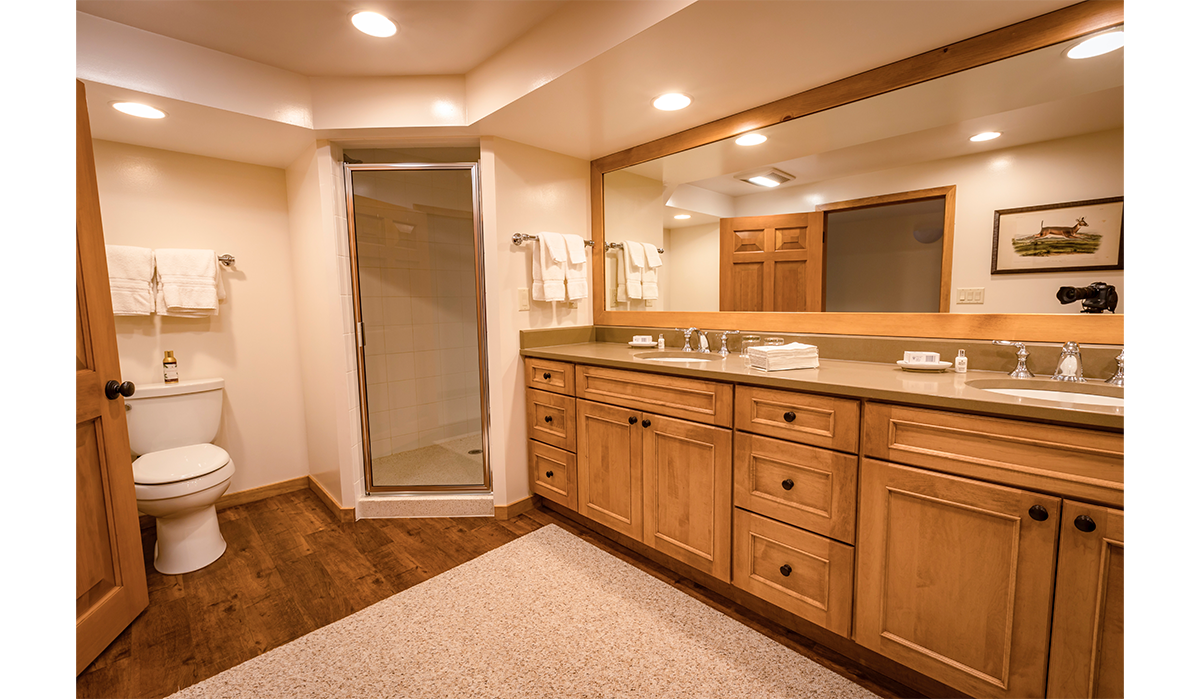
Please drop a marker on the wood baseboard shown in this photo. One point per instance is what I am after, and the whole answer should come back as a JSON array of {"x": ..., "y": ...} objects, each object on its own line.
[
  {"x": 345, "y": 515},
  {"x": 512, "y": 510},
  {"x": 258, "y": 493}
]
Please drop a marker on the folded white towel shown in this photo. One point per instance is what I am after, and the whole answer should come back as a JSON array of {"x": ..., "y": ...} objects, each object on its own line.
[
  {"x": 189, "y": 283},
  {"x": 633, "y": 270},
  {"x": 621, "y": 295},
  {"x": 577, "y": 283},
  {"x": 549, "y": 276},
  {"x": 650, "y": 272},
  {"x": 653, "y": 259},
  {"x": 131, "y": 279}
]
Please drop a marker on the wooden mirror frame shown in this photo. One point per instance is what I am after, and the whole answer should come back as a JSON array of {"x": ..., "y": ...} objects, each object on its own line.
[{"x": 1039, "y": 32}]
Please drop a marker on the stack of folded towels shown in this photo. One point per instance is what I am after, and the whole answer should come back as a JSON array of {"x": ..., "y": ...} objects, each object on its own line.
[
  {"x": 780, "y": 357},
  {"x": 166, "y": 281}
]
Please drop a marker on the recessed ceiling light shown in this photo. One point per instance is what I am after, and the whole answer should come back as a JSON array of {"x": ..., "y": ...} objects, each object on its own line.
[
  {"x": 373, "y": 23},
  {"x": 137, "y": 109},
  {"x": 986, "y": 136},
  {"x": 750, "y": 140},
  {"x": 1098, "y": 45},
  {"x": 683, "y": 216},
  {"x": 769, "y": 177},
  {"x": 672, "y": 101}
]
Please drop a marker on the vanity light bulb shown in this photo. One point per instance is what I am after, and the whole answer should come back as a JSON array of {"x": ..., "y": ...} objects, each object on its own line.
[
  {"x": 986, "y": 136},
  {"x": 672, "y": 101},
  {"x": 750, "y": 140},
  {"x": 764, "y": 181},
  {"x": 1098, "y": 45},
  {"x": 373, "y": 23},
  {"x": 136, "y": 109}
]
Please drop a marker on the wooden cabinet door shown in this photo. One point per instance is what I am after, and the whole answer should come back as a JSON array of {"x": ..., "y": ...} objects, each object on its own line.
[
  {"x": 956, "y": 578},
  {"x": 688, "y": 486},
  {"x": 110, "y": 575},
  {"x": 773, "y": 263},
  {"x": 609, "y": 466},
  {"x": 1087, "y": 651}
]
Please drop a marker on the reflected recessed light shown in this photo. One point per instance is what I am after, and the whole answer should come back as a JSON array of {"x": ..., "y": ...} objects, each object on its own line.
[
  {"x": 373, "y": 23},
  {"x": 672, "y": 101},
  {"x": 137, "y": 109},
  {"x": 750, "y": 140},
  {"x": 986, "y": 136},
  {"x": 683, "y": 216},
  {"x": 1098, "y": 45},
  {"x": 769, "y": 177}
]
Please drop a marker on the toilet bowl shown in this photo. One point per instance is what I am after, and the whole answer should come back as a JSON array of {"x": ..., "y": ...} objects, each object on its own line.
[{"x": 179, "y": 474}]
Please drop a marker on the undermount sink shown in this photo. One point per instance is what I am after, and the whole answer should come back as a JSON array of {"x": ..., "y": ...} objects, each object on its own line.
[
  {"x": 1095, "y": 393},
  {"x": 679, "y": 356}
]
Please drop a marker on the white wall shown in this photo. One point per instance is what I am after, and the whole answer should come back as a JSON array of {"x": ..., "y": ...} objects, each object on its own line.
[
  {"x": 633, "y": 210},
  {"x": 1064, "y": 170},
  {"x": 163, "y": 199},
  {"x": 691, "y": 271},
  {"x": 525, "y": 190}
]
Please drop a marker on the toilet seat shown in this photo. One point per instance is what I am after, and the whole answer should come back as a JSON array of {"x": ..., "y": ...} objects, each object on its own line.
[{"x": 180, "y": 471}]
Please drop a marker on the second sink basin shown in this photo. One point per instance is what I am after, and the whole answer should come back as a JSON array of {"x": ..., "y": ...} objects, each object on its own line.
[
  {"x": 1094, "y": 393},
  {"x": 679, "y": 356}
]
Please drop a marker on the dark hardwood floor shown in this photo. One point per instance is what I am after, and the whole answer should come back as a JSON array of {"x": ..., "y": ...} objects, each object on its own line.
[{"x": 292, "y": 568}]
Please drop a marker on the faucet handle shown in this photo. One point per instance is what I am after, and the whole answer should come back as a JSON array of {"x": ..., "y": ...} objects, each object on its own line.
[
  {"x": 1118, "y": 379},
  {"x": 1021, "y": 371},
  {"x": 724, "y": 340},
  {"x": 687, "y": 337}
]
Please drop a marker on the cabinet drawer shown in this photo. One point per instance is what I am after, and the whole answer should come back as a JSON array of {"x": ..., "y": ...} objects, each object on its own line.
[
  {"x": 550, "y": 418},
  {"x": 1073, "y": 462},
  {"x": 548, "y": 375},
  {"x": 805, "y": 574},
  {"x": 552, "y": 474},
  {"x": 678, "y": 397},
  {"x": 814, "y": 420},
  {"x": 804, "y": 486}
]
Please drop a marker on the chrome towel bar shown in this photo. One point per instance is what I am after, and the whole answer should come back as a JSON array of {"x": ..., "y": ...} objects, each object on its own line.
[{"x": 519, "y": 238}]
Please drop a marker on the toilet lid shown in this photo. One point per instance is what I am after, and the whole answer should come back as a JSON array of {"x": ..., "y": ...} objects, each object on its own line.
[{"x": 178, "y": 464}]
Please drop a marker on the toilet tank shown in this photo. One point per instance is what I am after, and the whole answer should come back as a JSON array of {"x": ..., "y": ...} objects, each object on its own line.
[{"x": 162, "y": 416}]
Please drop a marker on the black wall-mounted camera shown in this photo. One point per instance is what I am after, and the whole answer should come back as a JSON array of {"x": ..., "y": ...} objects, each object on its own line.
[{"x": 1097, "y": 297}]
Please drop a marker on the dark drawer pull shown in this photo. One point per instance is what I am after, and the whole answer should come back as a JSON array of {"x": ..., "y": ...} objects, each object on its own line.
[
  {"x": 632, "y": 420},
  {"x": 786, "y": 570},
  {"x": 1038, "y": 513},
  {"x": 789, "y": 416},
  {"x": 646, "y": 423},
  {"x": 545, "y": 375},
  {"x": 549, "y": 474},
  {"x": 788, "y": 484},
  {"x": 549, "y": 419},
  {"x": 1084, "y": 523}
]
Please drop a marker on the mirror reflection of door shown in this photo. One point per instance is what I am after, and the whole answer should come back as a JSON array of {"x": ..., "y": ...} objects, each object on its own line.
[{"x": 772, "y": 263}]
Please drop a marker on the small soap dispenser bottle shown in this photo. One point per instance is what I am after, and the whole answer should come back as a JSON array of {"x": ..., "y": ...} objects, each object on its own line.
[
  {"x": 960, "y": 362},
  {"x": 662, "y": 343},
  {"x": 170, "y": 367}
]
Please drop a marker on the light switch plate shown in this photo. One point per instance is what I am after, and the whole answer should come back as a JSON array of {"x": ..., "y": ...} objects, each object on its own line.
[
  {"x": 970, "y": 295},
  {"x": 522, "y": 298}
]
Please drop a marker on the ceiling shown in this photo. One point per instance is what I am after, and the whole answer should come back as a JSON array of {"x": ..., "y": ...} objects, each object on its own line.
[{"x": 605, "y": 60}]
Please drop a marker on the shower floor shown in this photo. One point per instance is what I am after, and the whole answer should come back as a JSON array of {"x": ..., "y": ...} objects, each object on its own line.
[{"x": 449, "y": 462}]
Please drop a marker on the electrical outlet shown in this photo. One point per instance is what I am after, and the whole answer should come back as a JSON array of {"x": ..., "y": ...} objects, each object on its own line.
[
  {"x": 523, "y": 299},
  {"x": 649, "y": 303},
  {"x": 970, "y": 295}
]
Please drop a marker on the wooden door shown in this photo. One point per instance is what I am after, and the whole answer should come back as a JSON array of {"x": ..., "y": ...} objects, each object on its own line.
[
  {"x": 773, "y": 263},
  {"x": 1087, "y": 651},
  {"x": 609, "y": 466},
  {"x": 956, "y": 578},
  {"x": 688, "y": 486},
  {"x": 110, "y": 575}
]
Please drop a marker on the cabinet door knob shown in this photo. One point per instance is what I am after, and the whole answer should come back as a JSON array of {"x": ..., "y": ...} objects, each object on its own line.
[
  {"x": 789, "y": 416},
  {"x": 1039, "y": 513},
  {"x": 549, "y": 474},
  {"x": 545, "y": 375},
  {"x": 632, "y": 420},
  {"x": 646, "y": 423},
  {"x": 788, "y": 484},
  {"x": 549, "y": 419},
  {"x": 114, "y": 388},
  {"x": 1084, "y": 523},
  {"x": 786, "y": 570}
]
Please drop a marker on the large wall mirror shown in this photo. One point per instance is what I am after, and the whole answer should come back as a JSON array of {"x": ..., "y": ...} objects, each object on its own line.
[{"x": 886, "y": 217}]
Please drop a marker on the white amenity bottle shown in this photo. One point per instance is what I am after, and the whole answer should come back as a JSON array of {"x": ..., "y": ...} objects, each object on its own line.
[{"x": 960, "y": 362}]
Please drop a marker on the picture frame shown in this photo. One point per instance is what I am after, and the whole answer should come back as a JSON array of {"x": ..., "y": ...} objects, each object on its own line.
[{"x": 1065, "y": 237}]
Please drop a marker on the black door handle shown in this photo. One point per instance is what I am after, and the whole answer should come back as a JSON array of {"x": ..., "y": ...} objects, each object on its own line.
[
  {"x": 789, "y": 416},
  {"x": 646, "y": 423},
  {"x": 545, "y": 375},
  {"x": 549, "y": 474},
  {"x": 1039, "y": 513},
  {"x": 786, "y": 570},
  {"x": 549, "y": 419},
  {"x": 1084, "y": 523},
  {"x": 788, "y": 484},
  {"x": 632, "y": 420},
  {"x": 114, "y": 388}
]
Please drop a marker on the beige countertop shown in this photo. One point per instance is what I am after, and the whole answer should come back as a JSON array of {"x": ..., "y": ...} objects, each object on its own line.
[{"x": 863, "y": 380}]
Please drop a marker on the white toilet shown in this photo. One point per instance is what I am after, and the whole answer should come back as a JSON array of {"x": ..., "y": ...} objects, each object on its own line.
[{"x": 180, "y": 475}]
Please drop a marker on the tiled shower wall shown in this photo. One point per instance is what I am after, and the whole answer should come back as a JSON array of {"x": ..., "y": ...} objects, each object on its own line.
[{"x": 417, "y": 289}]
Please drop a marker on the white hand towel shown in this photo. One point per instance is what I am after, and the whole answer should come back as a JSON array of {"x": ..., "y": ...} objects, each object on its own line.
[
  {"x": 621, "y": 296},
  {"x": 633, "y": 271},
  {"x": 650, "y": 273},
  {"x": 653, "y": 259},
  {"x": 549, "y": 277},
  {"x": 189, "y": 282},
  {"x": 557, "y": 244},
  {"x": 577, "y": 283},
  {"x": 131, "y": 279}
]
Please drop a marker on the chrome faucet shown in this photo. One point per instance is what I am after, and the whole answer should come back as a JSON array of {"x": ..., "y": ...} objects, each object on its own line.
[
  {"x": 724, "y": 351},
  {"x": 703, "y": 343},
  {"x": 687, "y": 337},
  {"x": 1070, "y": 364},
  {"x": 1118, "y": 379},
  {"x": 1021, "y": 372}
]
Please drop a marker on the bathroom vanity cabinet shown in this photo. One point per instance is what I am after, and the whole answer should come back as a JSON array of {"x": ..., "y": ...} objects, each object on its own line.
[{"x": 983, "y": 552}]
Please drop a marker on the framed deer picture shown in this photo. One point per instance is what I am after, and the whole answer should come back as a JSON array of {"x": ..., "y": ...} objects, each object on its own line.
[{"x": 1070, "y": 236}]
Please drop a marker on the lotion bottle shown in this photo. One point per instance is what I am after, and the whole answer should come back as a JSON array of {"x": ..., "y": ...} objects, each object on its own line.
[
  {"x": 960, "y": 362},
  {"x": 170, "y": 368},
  {"x": 662, "y": 343}
]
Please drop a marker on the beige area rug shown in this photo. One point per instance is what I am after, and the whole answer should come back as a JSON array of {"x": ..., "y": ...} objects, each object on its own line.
[
  {"x": 545, "y": 616},
  {"x": 448, "y": 462}
]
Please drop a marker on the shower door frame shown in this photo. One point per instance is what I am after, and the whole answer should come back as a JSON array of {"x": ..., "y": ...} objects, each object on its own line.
[{"x": 348, "y": 170}]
